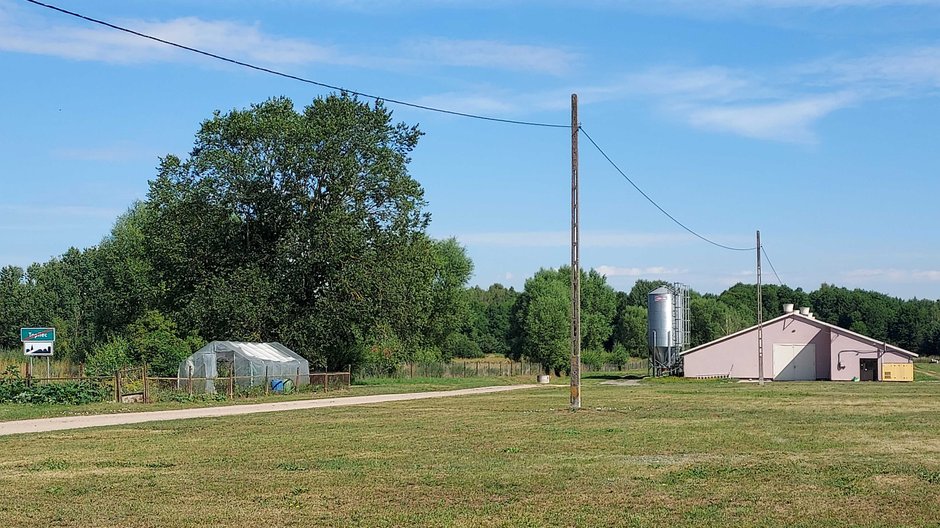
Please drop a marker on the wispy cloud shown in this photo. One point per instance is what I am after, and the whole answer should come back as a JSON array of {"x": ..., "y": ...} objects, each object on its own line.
[
  {"x": 781, "y": 121},
  {"x": 493, "y": 54},
  {"x": 685, "y": 5},
  {"x": 652, "y": 271},
  {"x": 25, "y": 33},
  {"x": 786, "y": 102},
  {"x": 893, "y": 275},
  {"x": 531, "y": 239},
  {"x": 793, "y": 4}
]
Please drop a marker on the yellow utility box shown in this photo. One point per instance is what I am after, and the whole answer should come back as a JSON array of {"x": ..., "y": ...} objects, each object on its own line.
[{"x": 897, "y": 372}]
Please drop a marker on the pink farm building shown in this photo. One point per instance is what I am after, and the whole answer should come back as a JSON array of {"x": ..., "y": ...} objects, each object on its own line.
[{"x": 800, "y": 347}]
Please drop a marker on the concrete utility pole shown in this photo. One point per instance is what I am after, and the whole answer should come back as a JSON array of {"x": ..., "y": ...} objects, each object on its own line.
[
  {"x": 760, "y": 321},
  {"x": 575, "y": 264}
]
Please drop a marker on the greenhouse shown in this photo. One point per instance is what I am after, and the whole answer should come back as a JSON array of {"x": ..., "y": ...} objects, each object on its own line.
[{"x": 253, "y": 364}]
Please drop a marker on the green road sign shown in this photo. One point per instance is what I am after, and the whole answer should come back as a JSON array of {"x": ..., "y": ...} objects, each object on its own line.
[{"x": 37, "y": 334}]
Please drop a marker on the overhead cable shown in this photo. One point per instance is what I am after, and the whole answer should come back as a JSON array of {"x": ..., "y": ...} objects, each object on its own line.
[
  {"x": 639, "y": 190},
  {"x": 295, "y": 77},
  {"x": 764, "y": 251}
]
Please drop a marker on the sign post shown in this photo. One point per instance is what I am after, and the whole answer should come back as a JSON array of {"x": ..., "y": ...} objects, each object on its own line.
[{"x": 38, "y": 342}]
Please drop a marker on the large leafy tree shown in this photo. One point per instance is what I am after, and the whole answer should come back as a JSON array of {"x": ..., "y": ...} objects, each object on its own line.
[
  {"x": 489, "y": 321},
  {"x": 541, "y": 317},
  {"x": 302, "y": 226}
]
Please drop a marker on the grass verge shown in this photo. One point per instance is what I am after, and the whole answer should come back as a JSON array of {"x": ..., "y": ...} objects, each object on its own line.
[{"x": 677, "y": 454}]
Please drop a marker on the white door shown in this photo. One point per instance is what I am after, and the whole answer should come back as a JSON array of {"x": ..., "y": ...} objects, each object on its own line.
[{"x": 795, "y": 362}]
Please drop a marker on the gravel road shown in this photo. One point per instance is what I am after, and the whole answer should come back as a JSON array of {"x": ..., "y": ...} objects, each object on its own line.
[{"x": 41, "y": 425}]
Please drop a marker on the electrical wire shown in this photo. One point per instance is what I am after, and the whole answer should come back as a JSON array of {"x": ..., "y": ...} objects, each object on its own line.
[
  {"x": 295, "y": 77},
  {"x": 764, "y": 251},
  {"x": 650, "y": 200}
]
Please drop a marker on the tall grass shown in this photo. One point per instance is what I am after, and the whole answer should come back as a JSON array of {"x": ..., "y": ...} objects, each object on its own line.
[{"x": 58, "y": 367}]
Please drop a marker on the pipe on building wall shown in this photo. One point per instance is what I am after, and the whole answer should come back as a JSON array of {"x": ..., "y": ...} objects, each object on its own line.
[{"x": 841, "y": 366}]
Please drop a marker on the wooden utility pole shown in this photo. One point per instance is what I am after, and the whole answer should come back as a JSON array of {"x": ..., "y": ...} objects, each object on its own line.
[
  {"x": 760, "y": 321},
  {"x": 575, "y": 264}
]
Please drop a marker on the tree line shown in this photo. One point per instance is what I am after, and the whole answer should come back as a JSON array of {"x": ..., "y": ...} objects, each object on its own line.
[
  {"x": 535, "y": 323},
  {"x": 305, "y": 227}
]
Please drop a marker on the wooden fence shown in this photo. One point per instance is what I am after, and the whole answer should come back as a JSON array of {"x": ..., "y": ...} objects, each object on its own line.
[{"x": 469, "y": 369}]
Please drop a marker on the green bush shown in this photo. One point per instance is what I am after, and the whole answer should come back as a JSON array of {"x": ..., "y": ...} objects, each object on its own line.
[
  {"x": 14, "y": 389},
  {"x": 593, "y": 359},
  {"x": 459, "y": 345},
  {"x": 154, "y": 341},
  {"x": 619, "y": 356},
  {"x": 108, "y": 357}
]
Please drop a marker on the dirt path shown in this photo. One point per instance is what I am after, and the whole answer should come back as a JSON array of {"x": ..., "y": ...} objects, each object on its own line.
[{"x": 41, "y": 425}]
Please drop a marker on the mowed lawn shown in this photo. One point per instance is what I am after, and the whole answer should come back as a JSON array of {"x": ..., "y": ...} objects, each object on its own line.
[{"x": 672, "y": 453}]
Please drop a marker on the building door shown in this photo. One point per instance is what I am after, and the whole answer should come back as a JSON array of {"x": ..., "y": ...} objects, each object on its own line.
[
  {"x": 868, "y": 369},
  {"x": 795, "y": 362}
]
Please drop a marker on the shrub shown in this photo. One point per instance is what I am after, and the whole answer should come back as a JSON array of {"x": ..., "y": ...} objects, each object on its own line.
[
  {"x": 154, "y": 341},
  {"x": 459, "y": 345},
  {"x": 619, "y": 356},
  {"x": 593, "y": 359},
  {"x": 14, "y": 389},
  {"x": 108, "y": 357}
]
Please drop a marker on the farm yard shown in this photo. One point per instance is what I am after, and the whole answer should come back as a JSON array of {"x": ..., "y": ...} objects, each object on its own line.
[{"x": 664, "y": 452}]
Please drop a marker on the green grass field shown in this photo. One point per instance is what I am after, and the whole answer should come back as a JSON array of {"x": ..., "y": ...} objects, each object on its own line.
[
  {"x": 682, "y": 453},
  {"x": 11, "y": 411}
]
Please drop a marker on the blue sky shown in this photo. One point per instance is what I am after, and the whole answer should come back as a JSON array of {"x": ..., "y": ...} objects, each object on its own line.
[{"x": 814, "y": 121}]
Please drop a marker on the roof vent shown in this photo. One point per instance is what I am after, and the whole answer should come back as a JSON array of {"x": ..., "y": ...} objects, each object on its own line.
[
  {"x": 788, "y": 308},
  {"x": 804, "y": 310}
]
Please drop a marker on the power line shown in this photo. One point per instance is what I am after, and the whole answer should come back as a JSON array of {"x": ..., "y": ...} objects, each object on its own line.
[
  {"x": 764, "y": 251},
  {"x": 294, "y": 77},
  {"x": 635, "y": 186}
]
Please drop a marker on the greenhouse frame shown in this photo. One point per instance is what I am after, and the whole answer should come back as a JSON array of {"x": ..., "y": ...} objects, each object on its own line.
[{"x": 253, "y": 364}]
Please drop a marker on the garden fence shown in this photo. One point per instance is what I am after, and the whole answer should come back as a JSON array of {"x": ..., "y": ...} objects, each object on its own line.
[
  {"x": 469, "y": 369},
  {"x": 136, "y": 384}
]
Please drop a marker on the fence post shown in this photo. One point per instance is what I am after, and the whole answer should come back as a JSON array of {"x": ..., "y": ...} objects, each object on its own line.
[
  {"x": 117, "y": 385},
  {"x": 267, "y": 382},
  {"x": 231, "y": 384},
  {"x": 29, "y": 372},
  {"x": 411, "y": 369},
  {"x": 297, "y": 378},
  {"x": 510, "y": 367},
  {"x": 146, "y": 385},
  {"x": 190, "y": 380},
  {"x": 81, "y": 370}
]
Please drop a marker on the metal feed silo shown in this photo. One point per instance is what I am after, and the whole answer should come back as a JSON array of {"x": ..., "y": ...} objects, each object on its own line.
[
  {"x": 668, "y": 316},
  {"x": 661, "y": 327}
]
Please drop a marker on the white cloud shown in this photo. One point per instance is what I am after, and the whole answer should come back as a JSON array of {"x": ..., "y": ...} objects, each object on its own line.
[
  {"x": 811, "y": 4},
  {"x": 615, "y": 271},
  {"x": 493, "y": 54},
  {"x": 780, "y": 121},
  {"x": 530, "y": 239},
  {"x": 893, "y": 275},
  {"x": 785, "y": 103},
  {"x": 888, "y": 74},
  {"x": 24, "y": 33}
]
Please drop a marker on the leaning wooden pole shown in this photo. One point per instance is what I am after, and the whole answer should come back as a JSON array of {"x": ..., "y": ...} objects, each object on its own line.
[{"x": 575, "y": 263}]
